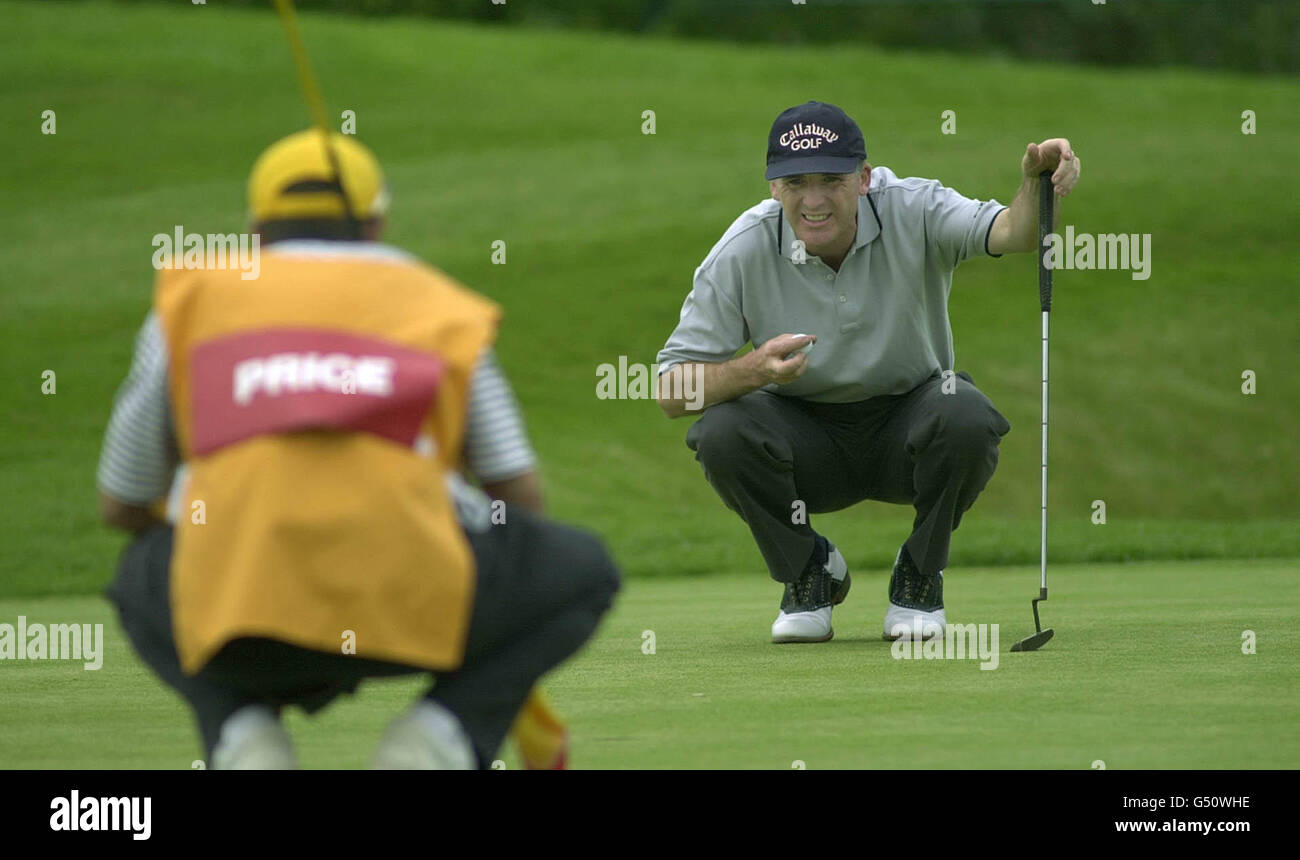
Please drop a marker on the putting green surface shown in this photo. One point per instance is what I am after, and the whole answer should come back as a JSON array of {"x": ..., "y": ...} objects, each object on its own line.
[{"x": 1147, "y": 670}]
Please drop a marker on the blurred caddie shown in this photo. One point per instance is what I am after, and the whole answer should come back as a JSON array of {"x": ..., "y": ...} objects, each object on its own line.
[{"x": 321, "y": 416}]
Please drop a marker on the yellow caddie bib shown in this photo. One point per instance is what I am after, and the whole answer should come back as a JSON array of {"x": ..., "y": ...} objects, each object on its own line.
[{"x": 318, "y": 408}]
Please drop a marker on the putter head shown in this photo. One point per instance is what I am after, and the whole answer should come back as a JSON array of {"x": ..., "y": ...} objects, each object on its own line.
[
  {"x": 1033, "y": 643},
  {"x": 1041, "y": 638}
]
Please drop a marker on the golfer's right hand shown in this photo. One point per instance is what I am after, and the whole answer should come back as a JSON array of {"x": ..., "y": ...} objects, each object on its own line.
[{"x": 772, "y": 362}]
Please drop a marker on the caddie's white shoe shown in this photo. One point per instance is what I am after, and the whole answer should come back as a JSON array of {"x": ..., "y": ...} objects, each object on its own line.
[
  {"x": 427, "y": 737},
  {"x": 805, "y": 614},
  {"x": 253, "y": 739},
  {"x": 915, "y": 602}
]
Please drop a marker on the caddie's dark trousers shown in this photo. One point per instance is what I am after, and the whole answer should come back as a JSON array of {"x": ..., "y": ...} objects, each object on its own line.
[
  {"x": 932, "y": 450},
  {"x": 542, "y": 588}
]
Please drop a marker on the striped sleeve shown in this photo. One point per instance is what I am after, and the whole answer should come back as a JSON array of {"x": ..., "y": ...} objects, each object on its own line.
[
  {"x": 496, "y": 444},
  {"x": 139, "y": 454}
]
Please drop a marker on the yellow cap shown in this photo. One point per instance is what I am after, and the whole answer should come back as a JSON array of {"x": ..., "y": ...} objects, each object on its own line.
[{"x": 292, "y": 179}]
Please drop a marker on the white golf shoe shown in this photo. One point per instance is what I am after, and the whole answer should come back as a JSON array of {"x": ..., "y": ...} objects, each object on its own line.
[
  {"x": 904, "y": 623},
  {"x": 805, "y": 614},
  {"x": 427, "y": 737},
  {"x": 915, "y": 602},
  {"x": 253, "y": 739}
]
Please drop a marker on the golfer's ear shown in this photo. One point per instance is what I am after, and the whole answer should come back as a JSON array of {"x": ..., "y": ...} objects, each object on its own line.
[
  {"x": 772, "y": 187},
  {"x": 866, "y": 177}
]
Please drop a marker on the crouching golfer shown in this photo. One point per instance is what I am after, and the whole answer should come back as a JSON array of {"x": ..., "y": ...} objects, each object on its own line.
[
  {"x": 321, "y": 412},
  {"x": 841, "y": 283}
]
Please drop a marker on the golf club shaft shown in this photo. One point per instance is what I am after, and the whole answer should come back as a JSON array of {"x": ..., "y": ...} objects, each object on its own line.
[
  {"x": 1043, "y": 584},
  {"x": 1046, "y": 204},
  {"x": 315, "y": 103}
]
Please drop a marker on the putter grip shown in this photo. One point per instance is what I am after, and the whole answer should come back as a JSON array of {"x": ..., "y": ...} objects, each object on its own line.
[{"x": 1045, "y": 206}]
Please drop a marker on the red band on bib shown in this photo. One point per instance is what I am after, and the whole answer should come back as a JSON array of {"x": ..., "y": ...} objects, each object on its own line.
[{"x": 282, "y": 380}]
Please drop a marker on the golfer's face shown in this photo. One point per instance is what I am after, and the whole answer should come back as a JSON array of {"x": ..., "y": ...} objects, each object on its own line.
[{"x": 823, "y": 207}]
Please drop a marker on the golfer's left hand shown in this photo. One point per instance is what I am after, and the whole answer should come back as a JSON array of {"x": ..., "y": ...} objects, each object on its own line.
[{"x": 1057, "y": 156}]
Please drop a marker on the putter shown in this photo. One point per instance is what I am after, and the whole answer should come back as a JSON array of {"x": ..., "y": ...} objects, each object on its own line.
[{"x": 1045, "y": 206}]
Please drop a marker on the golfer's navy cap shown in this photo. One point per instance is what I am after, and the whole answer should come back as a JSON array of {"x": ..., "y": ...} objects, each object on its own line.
[{"x": 814, "y": 138}]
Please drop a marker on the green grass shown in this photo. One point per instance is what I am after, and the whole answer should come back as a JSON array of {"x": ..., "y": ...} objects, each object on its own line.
[
  {"x": 534, "y": 138},
  {"x": 1146, "y": 671}
]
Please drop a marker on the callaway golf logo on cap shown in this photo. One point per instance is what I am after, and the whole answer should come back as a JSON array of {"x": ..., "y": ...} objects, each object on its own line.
[
  {"x": 802, "y": 136},
  {"x": 814, "y": 138}
]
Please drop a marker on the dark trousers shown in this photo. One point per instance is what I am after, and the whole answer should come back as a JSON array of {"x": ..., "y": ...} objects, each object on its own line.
[
  {"x": 542, "y": 587},
  {"x": 935, "y": 451}
]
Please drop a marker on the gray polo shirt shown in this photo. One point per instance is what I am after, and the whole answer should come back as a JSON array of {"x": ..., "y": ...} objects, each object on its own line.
[{"x": 881, "y": 321}]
